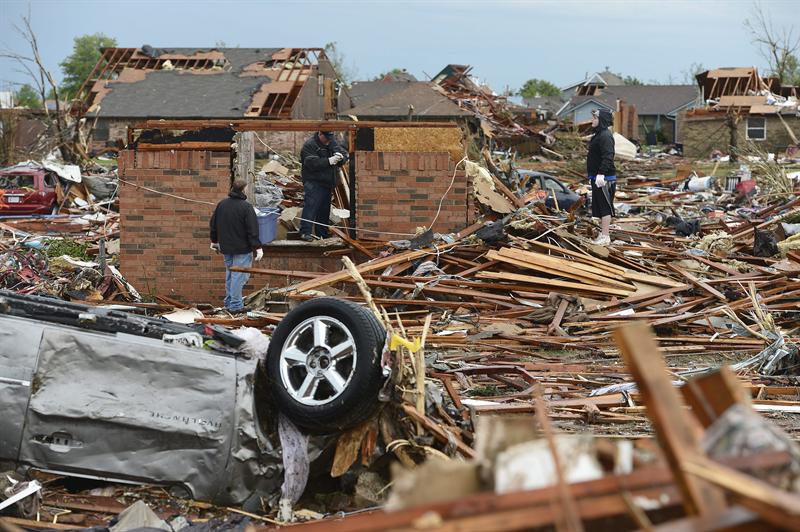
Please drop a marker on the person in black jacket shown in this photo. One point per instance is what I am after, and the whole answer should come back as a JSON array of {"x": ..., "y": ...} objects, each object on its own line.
[
  {"x": 602, "y": 173},
  {"x": 320, "y": 157},
  {"x": 234, "y": 233}
]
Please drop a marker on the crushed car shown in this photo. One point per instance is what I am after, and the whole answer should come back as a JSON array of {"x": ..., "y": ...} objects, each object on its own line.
[
  {"x": 102, "y": 393},
  {"x": 553, "y": 190}
]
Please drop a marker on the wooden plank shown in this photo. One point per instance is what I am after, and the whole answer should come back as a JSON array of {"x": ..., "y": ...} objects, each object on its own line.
[
  {"x": 371, "y": 266},
  {"x": 699, "y": 283},
  {"x": 679, "y": 439},
  {"x": 439, "y": 433},
  {"x": 555, "y": 266},
  {"x": 589, "y": 259},
  {"x": 777, "y": 507},
  {"x": 735, "y": 518},
  {"x": 553, "y": 283},
  {"x": 354, "y": 243},
  {"x": 711, "y": 395}
]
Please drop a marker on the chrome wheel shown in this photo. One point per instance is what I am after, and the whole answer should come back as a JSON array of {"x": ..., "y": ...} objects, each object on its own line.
[{"x": 318, "y": 360}]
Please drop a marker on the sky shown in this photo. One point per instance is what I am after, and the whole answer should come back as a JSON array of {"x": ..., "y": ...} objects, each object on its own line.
[{"x": 506, "y": 42}]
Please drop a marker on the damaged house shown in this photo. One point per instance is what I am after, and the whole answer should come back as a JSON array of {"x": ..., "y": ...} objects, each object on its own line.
[
  {"x": 400, "y": 101},
  {"x": 741, "y": 107},
  {"x": 655, "y": 108},
  {"x": 132, "y": 84}
]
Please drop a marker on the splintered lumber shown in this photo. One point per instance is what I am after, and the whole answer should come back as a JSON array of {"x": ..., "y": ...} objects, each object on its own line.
[
  {"x": 699, "y": 283},
  {"x": 438, "y": 432},
  {"x": 526, "y": 510},
  {"x": 711, "y": 395},
  {"x": 554, "y": 283},
  {"x": 344, "y": 275},
  {"x": 777, "y": 507},
  {"x": 679, "y": 439}
]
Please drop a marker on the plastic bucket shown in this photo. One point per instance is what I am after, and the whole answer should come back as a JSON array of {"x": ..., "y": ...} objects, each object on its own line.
[{"x": 267, "y": 224}]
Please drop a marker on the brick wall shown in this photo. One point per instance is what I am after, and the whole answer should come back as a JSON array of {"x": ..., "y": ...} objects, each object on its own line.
[
  {"x": 164, "y": 240},
  {"x": 399, "y": 191}
]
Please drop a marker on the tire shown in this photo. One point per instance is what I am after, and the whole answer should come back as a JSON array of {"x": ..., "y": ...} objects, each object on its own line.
[{"x": 323, "y": 365}]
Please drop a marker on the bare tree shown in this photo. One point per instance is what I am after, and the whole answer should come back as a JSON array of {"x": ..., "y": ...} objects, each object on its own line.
[
  {"x": 44, "y": 83},
  {"x": 777, "y": 45}
]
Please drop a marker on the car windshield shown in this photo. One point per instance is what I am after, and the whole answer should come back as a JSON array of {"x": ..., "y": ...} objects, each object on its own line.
[{"x": 16, "y": 181}]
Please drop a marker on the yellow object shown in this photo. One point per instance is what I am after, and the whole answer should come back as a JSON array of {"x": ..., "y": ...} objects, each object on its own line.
[{"x": 398, "y": 341}]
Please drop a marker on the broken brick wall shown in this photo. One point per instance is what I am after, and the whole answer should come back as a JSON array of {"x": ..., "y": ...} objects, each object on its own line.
[
  {"x": 109, "y": 132},
  {"x": 396, "y": 192},
  {"x": 164, "y": 241},
  {"x": 164, "y": 246}
]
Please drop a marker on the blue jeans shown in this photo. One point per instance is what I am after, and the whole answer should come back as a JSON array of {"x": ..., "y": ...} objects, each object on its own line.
[
  {"x": 235, "y": 281},
  {"x": 316, "y": 208}
]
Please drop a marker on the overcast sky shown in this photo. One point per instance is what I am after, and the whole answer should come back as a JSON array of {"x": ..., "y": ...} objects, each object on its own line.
[{"x": 506, "y": 42}]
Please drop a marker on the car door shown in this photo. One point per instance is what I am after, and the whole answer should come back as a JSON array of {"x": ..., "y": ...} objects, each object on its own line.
[
  {"x": 20, "y": 347},
  {"x": 130, "y": 408}
]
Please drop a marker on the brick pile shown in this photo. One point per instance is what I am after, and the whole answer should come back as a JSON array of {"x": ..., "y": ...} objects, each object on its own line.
[{"x": 397, "y": 192}]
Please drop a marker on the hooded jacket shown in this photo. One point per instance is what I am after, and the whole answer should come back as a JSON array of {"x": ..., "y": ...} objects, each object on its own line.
[
  {"x": 314, "y": 158},
  {"x": 600, "y": 159},
  {"x": 234, "y": 225}
]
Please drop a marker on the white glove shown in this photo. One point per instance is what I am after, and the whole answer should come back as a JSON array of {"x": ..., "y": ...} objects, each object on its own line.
[
  {"x": 335, "y": 159},
  {"x": 259, "y": 254},
  {"x": 600, "y": 180},
  {"x": 214, "y": 247}
]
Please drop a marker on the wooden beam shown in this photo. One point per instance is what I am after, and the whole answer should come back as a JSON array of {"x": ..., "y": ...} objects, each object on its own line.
[
  {"x": 553, "y": 283},
  {"x": 680, "y": 440},
  {"x": 711, "y": 395},
  {"x": 777, "y": 507}
]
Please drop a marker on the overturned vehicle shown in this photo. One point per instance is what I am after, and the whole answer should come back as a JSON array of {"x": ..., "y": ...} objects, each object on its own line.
[{"x": 100, "y": 393}]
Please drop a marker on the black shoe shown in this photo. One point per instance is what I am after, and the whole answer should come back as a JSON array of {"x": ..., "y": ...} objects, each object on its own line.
[{"x": 307, "y": 238}]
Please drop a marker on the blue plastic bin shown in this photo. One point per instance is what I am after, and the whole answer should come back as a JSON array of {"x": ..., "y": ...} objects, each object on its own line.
[{"x": 267, "y": 224}]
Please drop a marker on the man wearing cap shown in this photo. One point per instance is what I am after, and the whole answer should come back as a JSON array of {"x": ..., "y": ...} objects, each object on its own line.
[
  {"x": 602, "y": 172},
  {"x": 321, "y": 158}
]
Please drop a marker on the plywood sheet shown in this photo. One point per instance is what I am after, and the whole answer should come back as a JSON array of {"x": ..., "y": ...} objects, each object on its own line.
[{"x": 421, "y": 139}]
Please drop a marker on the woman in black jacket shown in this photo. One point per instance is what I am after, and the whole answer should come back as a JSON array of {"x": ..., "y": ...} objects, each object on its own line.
[{"x": 602, "y": 173}]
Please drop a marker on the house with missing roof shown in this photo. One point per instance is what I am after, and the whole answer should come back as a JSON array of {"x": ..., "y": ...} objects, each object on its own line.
[
  {"x": 129, "y": 85},
  {"x": 759, "y": 111}
]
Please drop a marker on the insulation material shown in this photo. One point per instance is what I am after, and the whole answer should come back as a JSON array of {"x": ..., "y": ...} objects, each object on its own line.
[
  {"x": 421, "y": 139},
  {"x": 623, "y": 148},
  {"x": 484, "y": 189}
]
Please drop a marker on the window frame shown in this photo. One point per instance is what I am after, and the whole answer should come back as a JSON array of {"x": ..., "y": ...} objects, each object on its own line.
[{"x": 763, "y": 128}]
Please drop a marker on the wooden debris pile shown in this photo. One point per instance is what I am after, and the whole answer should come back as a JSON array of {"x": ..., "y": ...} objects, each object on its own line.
[{"x": 719, "y": 465}]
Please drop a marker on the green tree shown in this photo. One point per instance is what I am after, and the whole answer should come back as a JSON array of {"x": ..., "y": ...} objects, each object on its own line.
[
  {"x": 78, "y": 65},
  {"x": 538, "y": 87},
  {"x": 792, "y": 72},
  {"x": 27, "y": 96},
  {"x": 392, "y": 71},
  {"x": 631, "y": 80}
]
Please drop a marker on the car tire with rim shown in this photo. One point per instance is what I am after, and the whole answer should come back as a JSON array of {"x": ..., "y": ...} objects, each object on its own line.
[{"x": 323, "y": 364}]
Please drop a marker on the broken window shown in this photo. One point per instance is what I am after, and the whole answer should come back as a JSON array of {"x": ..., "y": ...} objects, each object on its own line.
[
  {"x": 15, "y": 181},
  {"x": 50, "y": 179},
  {"x": 756, "y": 128}
]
